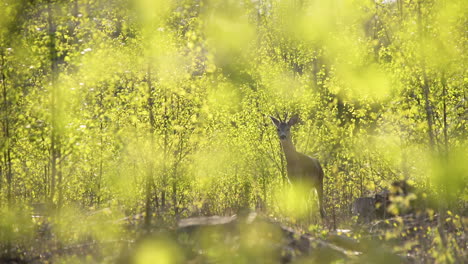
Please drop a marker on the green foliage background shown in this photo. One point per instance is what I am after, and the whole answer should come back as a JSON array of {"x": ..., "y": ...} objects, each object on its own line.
[{"x": 161, "y": 107}]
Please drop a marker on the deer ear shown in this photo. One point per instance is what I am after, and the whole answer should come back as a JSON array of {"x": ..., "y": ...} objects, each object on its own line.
[
  {"x": 294, "y": 120},
  {"x": 276, "y": 122}
]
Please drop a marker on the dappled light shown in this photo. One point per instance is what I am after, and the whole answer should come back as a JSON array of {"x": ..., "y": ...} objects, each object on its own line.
[{"x": 233, "y": 131}]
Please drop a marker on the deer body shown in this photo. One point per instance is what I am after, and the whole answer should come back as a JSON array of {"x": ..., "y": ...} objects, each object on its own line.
[{"x": 302, "y": 169}]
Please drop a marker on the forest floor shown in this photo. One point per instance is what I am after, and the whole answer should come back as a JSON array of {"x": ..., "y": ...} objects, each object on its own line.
[{"x": 251, "y": 238}]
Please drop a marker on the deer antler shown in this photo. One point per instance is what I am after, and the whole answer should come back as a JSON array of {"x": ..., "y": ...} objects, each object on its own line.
[
  {"x": 285, "y": 117},
  {"x": 277, "y": 115}
]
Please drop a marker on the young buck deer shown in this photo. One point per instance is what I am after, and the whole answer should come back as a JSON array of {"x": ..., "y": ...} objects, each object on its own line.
[{"x": 302, "y": 169}]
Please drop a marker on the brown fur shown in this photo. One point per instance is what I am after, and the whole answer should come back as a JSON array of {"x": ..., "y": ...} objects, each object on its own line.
[{"x": 301, "y": 168}]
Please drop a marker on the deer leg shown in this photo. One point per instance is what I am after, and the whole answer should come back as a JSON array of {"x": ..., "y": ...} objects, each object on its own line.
[{"x": 320, "y": 198}]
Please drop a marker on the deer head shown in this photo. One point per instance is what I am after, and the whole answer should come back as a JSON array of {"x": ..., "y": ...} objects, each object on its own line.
[{"x": 283, "y": 128}]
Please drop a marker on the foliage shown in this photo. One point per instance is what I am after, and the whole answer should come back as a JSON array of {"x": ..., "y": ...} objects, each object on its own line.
[{"x": 160, "y": 108}]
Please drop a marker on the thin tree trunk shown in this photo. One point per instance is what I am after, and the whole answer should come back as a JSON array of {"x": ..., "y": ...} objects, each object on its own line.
[
  {"x": 53, "y": 170},
  {"x": 6, "y": 134},
  {"x": 444, "y": 157},
  {"x": 428, "y": 109},
  {"x": 1, "y": 179},
  {"x": 55, "y": 138},
  {"x": 101, "y": 150},
  {"x": 9, "y": 176},
  {"x": 174, "y": 192},
  {"x": 165, "y": 150},
  {"x": 59, "y": 177},
  {"x": 429, "y": 119},
  {"x": 46, "y": 180},
  {"x": 425, "y": 86},
  {"x": 149, "y": 176},
  {"x": 444, "y": 102}
]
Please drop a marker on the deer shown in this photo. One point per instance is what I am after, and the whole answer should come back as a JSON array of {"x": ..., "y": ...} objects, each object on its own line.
[{"x": 301, "y": 169}]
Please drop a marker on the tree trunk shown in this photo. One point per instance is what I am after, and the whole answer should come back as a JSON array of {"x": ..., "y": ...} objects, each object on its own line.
[
  {"x": 174, "y": 193},
  {"x": 429, "y": 119},
  {"x": 101, "y": 148},
  {"x": 444, "y": 102},
  {"x": 149, "y": 176},
  {"x": 54, "y": 134},
  {"x": 165, "y": 150},
  {"x": 6, "y": 134}
]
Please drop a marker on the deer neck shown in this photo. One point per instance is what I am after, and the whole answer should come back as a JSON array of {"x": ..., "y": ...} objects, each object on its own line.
[{"x": 289, "y": 150}]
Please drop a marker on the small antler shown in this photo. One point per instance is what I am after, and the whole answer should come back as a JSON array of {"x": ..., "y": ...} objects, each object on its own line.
[
  {"x": 277, "y": 115},
  {"x": 286, "y": 114}
]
